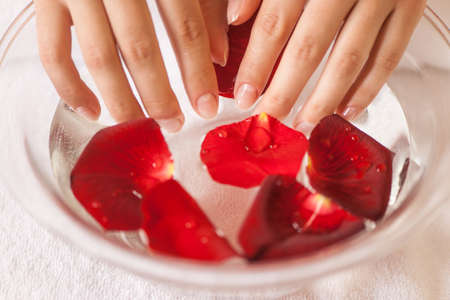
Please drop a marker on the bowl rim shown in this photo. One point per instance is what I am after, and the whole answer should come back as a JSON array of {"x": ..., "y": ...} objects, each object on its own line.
[{"x": 173, "y": 270}]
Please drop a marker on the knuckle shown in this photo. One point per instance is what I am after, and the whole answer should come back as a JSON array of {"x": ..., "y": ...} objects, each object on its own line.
[
  {"x": 307, "y": 49},
  {"x": 270, "y": 25},
  {"x": 67, "y": 92},
  {"x": 278, "y": 105},
  {"x": 191, "y": 31},
  {"x": 389, "y": 62},
  {"x": 51, "y": 57},
  {"x": 97, "y": 58},
  {"x": 162, "y": 109},
  {"x": 366, "y": 93},
  {"x": 138, "y": 51},
  {"x": 320, "y": 108},
  {"x": 121, "y": 111},
  {"x": 350, "y": 62}
]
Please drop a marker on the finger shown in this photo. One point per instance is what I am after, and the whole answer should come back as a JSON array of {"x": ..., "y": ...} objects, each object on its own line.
[
  {"x": 214, "y": 14},
  {"x": 240, "y": 11},
  {"x": 304, "y": 52},
  {"x": 273, "y": 26},
  {"x": 186, "y": 27},
  {"x": 55, "y": 52},
  {"x": 386, "y": 54},
  {"x": 133, "y": 28},
  {"x": 350, "y": 52},
  {"x": 101, "y": 57}
]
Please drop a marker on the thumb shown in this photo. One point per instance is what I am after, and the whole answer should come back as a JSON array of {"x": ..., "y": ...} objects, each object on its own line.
[{"x": 239, "y": 11}]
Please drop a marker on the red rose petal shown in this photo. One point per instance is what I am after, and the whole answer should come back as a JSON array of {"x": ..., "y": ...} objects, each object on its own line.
[
  {"x": 176, "y": 225},
  {"x": 307, "y": 242},
  {"x": 272, "y": 215},
  {"x": 350, "y": 167},
  {"x": 119, "y": 164},
  {"x": 244, "y": 153},
  {"x": 238, "y": 37},
  {"x": 285, "y": 210}
]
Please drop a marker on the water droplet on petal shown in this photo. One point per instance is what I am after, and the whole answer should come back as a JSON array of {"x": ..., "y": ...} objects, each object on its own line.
[
  {"x": 96, "y": 204},
  {"x": 204, "y": 240},
  {"x": 348, "y": 128},
  {"x": 296, "y": 226},
  {"x": 156, "y": 164},
  {"x": 189, "y": 225},
  {"x": 222, "y": 133},
  {"x": 354, "y": 138},
  {"x": 273, "y": 146},
  {"x": 381, "y": 168}
]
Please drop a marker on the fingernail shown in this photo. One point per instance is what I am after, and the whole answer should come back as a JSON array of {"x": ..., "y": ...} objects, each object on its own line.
[
  {"x": 207, "y": 106},
  {"x": 234, "y": 6},
  {"x": 350, "y": 112},
  {"x": 246, "y": 96},
  {"x": 226, "y": 53},
  {"x": 305, "y": 127},
  {"x": 172, "y": 125},
  {"x": 86, "y": 113}
]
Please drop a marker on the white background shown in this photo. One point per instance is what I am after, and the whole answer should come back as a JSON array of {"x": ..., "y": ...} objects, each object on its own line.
[{"x": 37, "y": 265}]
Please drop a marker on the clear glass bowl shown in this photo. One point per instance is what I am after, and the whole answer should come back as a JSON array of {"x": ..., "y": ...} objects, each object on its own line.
[{"x": 421, "y": 84}]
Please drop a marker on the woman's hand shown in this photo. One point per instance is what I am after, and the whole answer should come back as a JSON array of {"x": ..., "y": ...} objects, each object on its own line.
[
  {"x": 371, "y": 38},
  {"x": 105, "y": 28}
]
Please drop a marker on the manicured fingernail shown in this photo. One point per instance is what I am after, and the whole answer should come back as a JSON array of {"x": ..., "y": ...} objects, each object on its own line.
[
  {"x": 207, "y": 106},
  {"x": 305, "y": 127},
  {"x": 226, "y": 53},
  {"x": 234, "y": 6},
  {"x": 246, "y": 96},
  {"x": 86, "y": 113},
  {"x": 172, "y": 125},
  {"x": 350, "y": 112}
]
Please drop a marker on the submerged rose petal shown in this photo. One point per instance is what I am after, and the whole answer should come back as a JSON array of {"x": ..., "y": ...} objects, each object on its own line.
[
  {"x": 244, "y": 153},
  {"x": 116, "y": 168},
  {"x": 175, "y": 225},
  {"x": 350, "y": 167},
  {"x": 284, "y": 210}
]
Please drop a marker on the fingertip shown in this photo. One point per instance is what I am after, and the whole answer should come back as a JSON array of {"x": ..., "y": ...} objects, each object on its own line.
[
  {"x": 246, "y": 96},
  {"x": 240, "y": 11},
  {"x": 207, "y": 106},
  {"x": 172, "y": 125}
]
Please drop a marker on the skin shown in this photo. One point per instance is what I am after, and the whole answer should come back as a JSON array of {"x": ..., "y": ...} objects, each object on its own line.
[
  {"x": 371, "y": 38},
  {"x": 106, "y": 29}
]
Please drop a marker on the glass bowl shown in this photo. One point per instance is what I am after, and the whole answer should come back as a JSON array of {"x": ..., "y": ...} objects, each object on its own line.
[{"x": 420, "y": 85}]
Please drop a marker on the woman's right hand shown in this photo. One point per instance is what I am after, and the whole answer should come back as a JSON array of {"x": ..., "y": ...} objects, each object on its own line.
[{"x": 105, "y": 28}]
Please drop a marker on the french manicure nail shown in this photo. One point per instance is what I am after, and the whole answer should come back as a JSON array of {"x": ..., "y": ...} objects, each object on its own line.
[
  {"x": 207, "y": 106},
  {"x": 350, "y": 113},
  {"x": 86, "y": 113},
  {"x": 246, "y": 96},
  {"x": 172, "y": 125},
  {"x": 234, "y": 6},
  {"x": 305, "y": 127}
]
